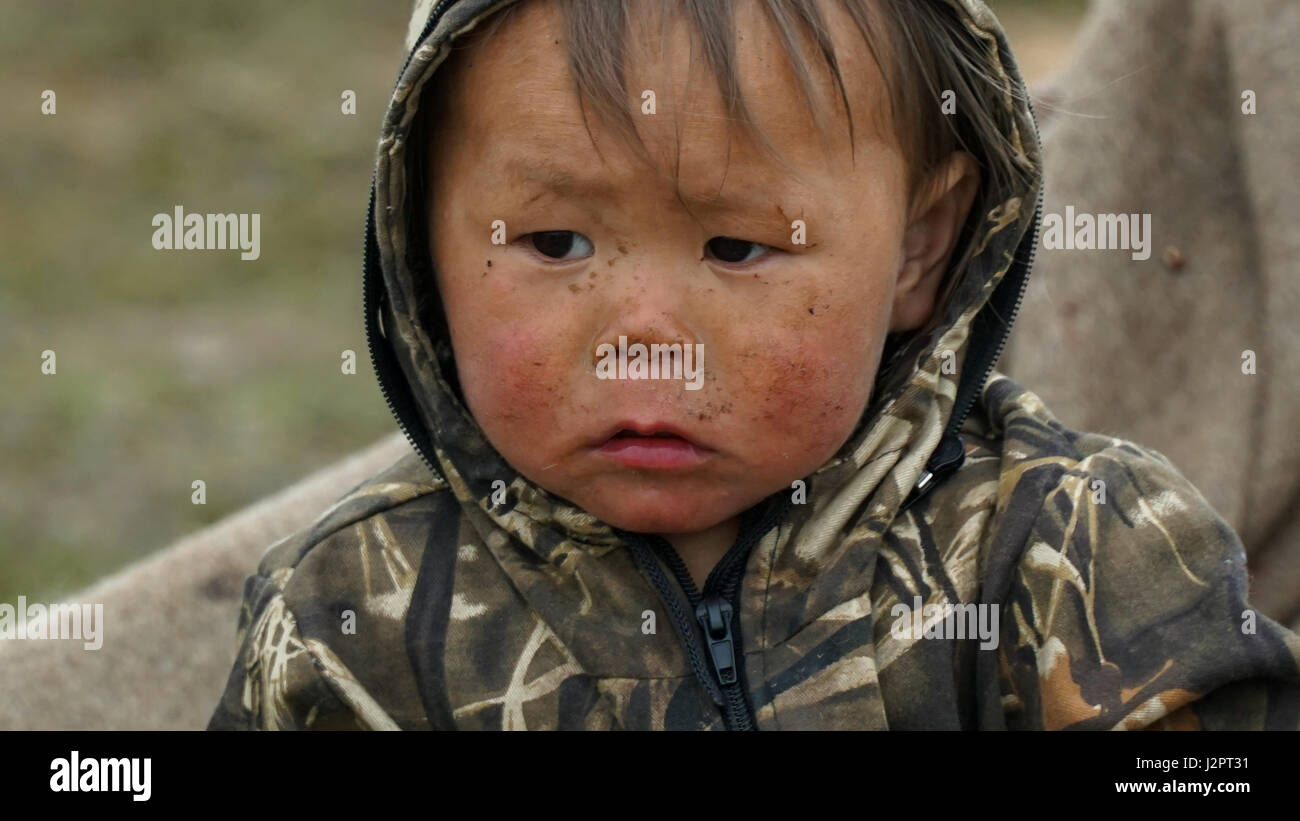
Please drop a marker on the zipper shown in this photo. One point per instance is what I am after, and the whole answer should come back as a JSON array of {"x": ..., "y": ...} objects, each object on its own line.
[
  {"x": 949, "y": 456},
  {"x": 387, "y": 371},
  {"x": 947, "y": 459},
  {"x": 709, "y": 621}
]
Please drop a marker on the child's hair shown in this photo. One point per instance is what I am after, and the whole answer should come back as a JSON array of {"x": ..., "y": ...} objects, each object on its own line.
[{"x": 922, "y": 48}]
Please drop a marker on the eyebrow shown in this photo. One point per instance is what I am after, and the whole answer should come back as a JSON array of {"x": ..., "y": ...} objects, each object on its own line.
[
  {"x": 557, "y": 179},
  {"x": 565, "y": 182}
]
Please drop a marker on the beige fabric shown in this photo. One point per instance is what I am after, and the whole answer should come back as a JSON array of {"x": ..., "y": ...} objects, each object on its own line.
[
  {"x": 1150, "y": 121},
  {"x": 169, "y": 621}
]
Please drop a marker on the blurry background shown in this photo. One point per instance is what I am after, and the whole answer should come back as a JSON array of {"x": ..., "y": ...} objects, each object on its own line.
[{"x": 174, "y": 367}]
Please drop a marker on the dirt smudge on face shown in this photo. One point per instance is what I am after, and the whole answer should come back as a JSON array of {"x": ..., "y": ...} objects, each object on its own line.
[{"x": 713, "y": 409}]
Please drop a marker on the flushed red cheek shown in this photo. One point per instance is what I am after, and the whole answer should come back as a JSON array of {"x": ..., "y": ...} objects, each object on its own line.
[
  {"x": 807, "y": 397},
  {"x": 515, "y": 378}
]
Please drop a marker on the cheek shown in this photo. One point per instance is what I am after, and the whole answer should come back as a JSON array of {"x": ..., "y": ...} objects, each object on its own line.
[
  {"x": 812, "y": 394},
  {"x": 506, "y": 356},
  {"x": 810, "y": 388},
  {"x": 510, "y": 374}
]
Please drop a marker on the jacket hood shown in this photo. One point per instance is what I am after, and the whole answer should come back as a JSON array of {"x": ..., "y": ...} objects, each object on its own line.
[{"x": 907, "y": 440}]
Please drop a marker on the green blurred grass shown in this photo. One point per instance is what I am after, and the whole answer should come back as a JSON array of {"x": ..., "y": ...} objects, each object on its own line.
[{"x": 176, "y": 366}]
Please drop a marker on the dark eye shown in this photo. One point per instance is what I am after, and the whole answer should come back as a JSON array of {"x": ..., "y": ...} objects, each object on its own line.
[
  {"x": 727, "y": 249},
  {"x": 558, "y": 244}
]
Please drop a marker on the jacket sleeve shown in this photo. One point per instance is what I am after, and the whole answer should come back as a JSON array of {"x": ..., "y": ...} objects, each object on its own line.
[
  {"x": 322, "y": 640},
  {"x": 1126, "y": 607},
  {"x": 279, "y": 681}
]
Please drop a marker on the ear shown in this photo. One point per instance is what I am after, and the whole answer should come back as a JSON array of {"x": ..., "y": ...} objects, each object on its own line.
[{"x": 934, "y": 223}]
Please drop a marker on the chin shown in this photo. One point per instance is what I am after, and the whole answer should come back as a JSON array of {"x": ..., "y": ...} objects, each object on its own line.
[{"x": 658, "y": 512}]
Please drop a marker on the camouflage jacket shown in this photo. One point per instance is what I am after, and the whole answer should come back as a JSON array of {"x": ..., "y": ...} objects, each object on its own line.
[{"x": 963, "y": 562}]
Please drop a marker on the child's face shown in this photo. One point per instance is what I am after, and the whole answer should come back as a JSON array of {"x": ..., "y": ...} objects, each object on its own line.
[{"x": 791, "y": 334}]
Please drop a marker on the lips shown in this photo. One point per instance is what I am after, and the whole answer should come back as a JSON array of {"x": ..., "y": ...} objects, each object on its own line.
[
  {"x": 659, "y": 429},
  {"x": 652, "y": 446}
]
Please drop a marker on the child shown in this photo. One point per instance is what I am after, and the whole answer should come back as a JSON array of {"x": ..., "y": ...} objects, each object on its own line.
[{"x": 697, "y": 366}]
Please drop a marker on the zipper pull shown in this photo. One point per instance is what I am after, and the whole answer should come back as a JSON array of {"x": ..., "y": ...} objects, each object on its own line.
[
  {"x": 947, "y": 458},
  {"x": 714, "y": 615}
]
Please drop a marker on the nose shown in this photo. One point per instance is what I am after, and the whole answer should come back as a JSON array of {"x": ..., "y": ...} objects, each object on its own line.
[
  {"x": 649, "y": 325},
  {"x": 648, "y": 303}
]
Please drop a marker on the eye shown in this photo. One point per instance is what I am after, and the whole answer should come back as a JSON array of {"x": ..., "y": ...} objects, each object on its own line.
[
  {"x": 727, "y": 249},
  {"x": 558, "y": 244}
]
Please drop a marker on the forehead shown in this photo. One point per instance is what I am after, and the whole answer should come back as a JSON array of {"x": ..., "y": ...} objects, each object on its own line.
[{"x": 510, "y": 94}]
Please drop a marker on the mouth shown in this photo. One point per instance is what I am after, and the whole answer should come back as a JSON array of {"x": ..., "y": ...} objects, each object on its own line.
[
  {"x": 646, "y": 430},
  {"x": 652, "y": 446}
]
